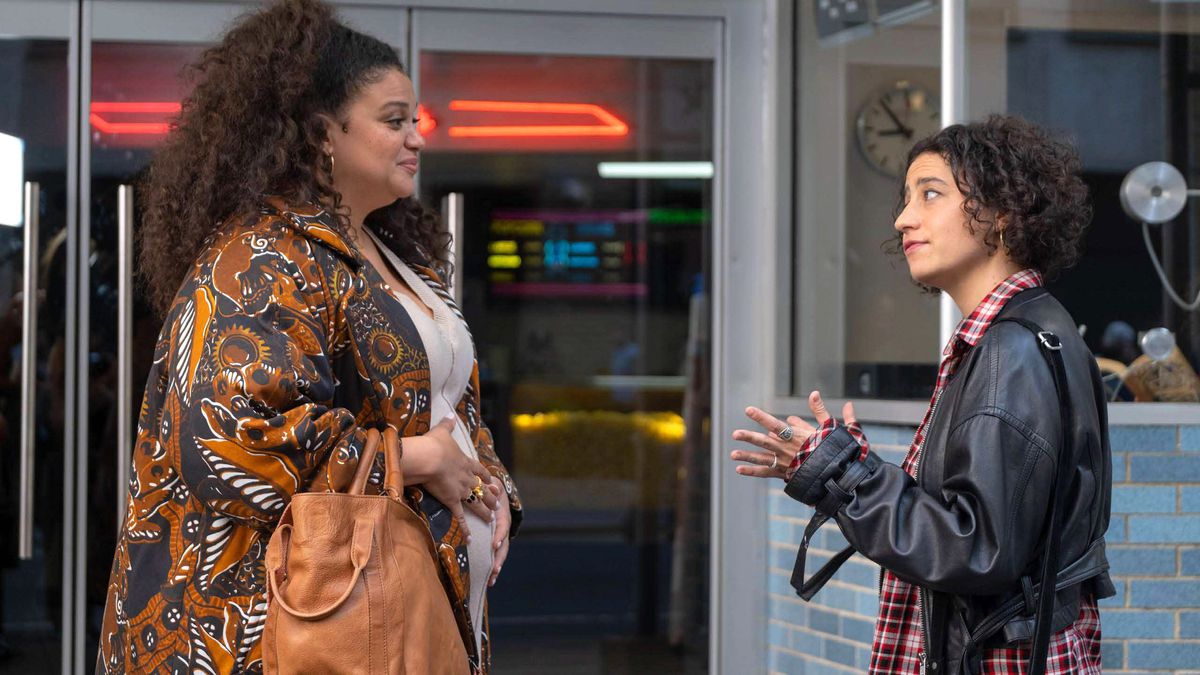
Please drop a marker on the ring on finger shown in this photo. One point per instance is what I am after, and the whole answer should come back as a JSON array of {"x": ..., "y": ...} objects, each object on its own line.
[
  {"x": 786, "y": 433},
  {"x": 774, "y": 461}
]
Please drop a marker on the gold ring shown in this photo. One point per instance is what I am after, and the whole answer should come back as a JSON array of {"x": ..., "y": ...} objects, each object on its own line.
[{"x": 477, "y": 492}]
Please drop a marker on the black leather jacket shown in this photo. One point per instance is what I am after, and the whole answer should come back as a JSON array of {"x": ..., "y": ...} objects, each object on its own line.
[{"x": 970, "y": 527}]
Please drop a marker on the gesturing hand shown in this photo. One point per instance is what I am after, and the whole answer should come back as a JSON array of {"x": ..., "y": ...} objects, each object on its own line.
[{"x": 782, "y": 441}]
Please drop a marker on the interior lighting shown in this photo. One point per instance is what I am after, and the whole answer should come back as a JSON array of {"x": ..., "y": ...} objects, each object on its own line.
[
  {"x": 605, "y": 124},
  {"x": 656, "y": 170},
  {"x": 518, "y": 228},
  {"x": 589, "y": 262},
  {"x": 12, "y": 180},
  {"x": 504, "y": 262},
  {"x": 102, "y": 110}
]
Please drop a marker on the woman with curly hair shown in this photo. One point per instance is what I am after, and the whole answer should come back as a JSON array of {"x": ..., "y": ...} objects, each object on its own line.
[
  {"x": 304, "y": 301},
  {"x": 1006, "y": 487}
]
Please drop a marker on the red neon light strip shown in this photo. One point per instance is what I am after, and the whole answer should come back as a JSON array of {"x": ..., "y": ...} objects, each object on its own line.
[
  {"x": 107, "y": 127},
  {"x": 136, "y": 106},
  {"x": 132, "y": 107},
  {"x": 609, "y": 124}
]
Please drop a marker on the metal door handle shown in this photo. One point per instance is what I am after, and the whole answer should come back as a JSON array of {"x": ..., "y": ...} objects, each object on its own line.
[
  {"x": 452, "y": 217},
  {"x": 29, "y": 370},
  {"x": 124, "y": 344}
]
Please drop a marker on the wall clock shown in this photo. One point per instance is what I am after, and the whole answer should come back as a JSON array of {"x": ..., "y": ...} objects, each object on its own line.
[{"x": 892, "y": 121}]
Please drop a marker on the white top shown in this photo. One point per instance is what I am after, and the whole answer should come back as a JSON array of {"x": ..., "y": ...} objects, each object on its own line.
[{"x": 451, "y": 360}]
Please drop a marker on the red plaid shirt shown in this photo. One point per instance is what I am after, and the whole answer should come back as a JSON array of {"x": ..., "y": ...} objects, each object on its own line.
[{"x": 898, "y": 640}]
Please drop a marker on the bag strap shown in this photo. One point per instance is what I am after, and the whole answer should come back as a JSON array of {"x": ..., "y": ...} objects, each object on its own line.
[
  {"x": 393, "y": 451},
  {"x": 837, "y": 493},
  {"x": 393, "y": 476},
  {"x": 1085, "y": 567},
  {"x": 366, "y": 461},
  {"x": 1051, "y": 350},
  {"x": 360, "y": 553}
]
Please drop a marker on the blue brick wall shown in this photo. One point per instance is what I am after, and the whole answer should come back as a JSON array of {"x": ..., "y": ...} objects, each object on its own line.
[
  {"x": 831, "y": 634},
  {"x": 1151, "y": 625}
]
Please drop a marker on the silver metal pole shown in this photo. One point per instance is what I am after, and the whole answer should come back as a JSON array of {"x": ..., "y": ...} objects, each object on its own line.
[
  {"x": 75, "y": 498},
  {"x": 954, "y": 111},
  {"x": 29, "y": 370},
  {"x": 124, "y": 344},
  {"x": 452, "y": 217}
]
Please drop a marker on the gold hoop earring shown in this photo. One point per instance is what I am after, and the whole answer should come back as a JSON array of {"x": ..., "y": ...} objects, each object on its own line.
[
  {"x": 1001, "y": 238},
  {"x": 331, "y": 165}
]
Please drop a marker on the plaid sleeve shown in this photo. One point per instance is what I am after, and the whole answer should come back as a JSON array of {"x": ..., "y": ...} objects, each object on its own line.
[{"x": 827, "y": 427}]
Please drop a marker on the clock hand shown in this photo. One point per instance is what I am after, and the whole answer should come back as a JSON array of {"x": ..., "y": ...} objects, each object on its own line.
[{"x": 899, "y": 125}]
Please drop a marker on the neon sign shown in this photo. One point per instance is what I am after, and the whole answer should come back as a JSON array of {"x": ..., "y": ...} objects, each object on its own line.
[
  {"x": 100, "y": 109},
  {"x": 602, "y": 123}
]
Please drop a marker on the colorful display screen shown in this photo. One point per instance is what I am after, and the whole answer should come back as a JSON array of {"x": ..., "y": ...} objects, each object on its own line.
[{"x": 580, "y": 254}]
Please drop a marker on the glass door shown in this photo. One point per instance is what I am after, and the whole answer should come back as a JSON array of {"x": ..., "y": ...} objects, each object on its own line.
[
  {"x": 572, "y": 159},
  {"x": 37, "y": 51},
  {"x": 138, "y": 54}
]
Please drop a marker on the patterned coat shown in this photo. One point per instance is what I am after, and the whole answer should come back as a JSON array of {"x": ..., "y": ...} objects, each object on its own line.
[{"x": 282, "y": 347}]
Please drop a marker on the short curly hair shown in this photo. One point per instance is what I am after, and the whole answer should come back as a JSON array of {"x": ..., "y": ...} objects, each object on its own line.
[{"x": 1009, "y": 167}]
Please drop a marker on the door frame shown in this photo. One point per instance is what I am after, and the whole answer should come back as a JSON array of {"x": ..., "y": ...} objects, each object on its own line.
[{"x": 752, "y": 130}]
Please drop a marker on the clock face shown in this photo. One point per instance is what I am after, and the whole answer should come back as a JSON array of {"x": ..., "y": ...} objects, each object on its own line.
[{"x": 890, "y": 123}]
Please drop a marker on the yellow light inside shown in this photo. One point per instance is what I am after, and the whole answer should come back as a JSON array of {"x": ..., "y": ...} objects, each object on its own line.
[
  {"x": 505, "y": 246},
  {"x": 518, "y": 228},
  {"x": 667, "y": 427},
  {"x": 504, "y": 262}
]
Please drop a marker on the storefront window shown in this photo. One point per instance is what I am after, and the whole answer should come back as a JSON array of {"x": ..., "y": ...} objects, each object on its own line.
[
  {"x": 1116, "y": 78},
  {"x": 866, "y": 90},
  {"x": 583, "y": 259},
  {"x": 1119, "y": 79}
]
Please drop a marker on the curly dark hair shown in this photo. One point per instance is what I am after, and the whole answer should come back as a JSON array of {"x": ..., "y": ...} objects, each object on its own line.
[
  {"x": 252, "y": 126},
  {"x": 1008, "y": 167}
]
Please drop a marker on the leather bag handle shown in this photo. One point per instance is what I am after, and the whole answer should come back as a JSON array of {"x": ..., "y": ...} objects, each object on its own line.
[
  {"x": 393, "y": 453},
  {"x": 358, "y": 486},
  {"x": 360, "y": 553}
]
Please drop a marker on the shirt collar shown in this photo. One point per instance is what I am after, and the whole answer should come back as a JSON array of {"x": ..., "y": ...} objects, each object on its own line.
[
  {"x": 971, "y": 329},
  {"x": 314, "y": 222}
]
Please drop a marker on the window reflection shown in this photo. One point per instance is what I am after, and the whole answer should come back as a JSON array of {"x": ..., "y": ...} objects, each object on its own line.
[
  {"x": 1117, "y": 79},
  {"x": 587, "y": 296}
]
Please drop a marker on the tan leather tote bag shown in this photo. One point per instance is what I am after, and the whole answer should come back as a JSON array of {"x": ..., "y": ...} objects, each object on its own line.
[{"x": 353, "y": 585}]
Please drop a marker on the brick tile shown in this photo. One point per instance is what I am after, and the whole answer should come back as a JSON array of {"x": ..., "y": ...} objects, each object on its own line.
[{"x": 1143, "y": 438}]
